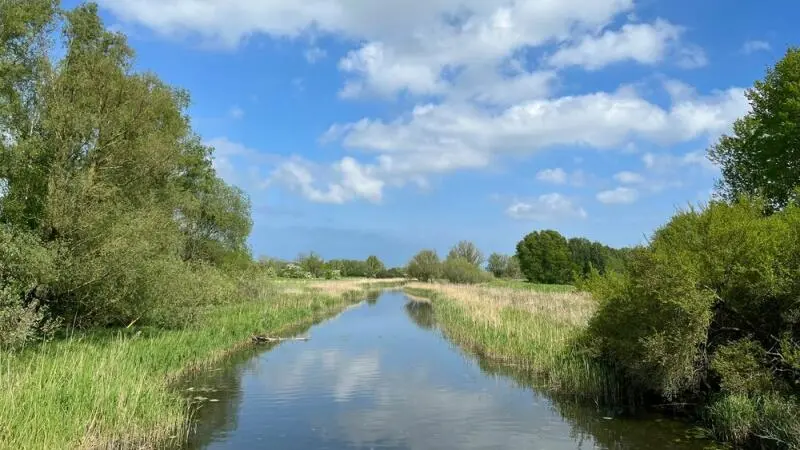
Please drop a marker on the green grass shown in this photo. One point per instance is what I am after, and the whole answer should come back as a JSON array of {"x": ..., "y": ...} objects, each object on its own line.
[
  {"x": 526, "y": 285},
  {"x": 546, "y": 344},
  {"x": 112, "y": 389}
]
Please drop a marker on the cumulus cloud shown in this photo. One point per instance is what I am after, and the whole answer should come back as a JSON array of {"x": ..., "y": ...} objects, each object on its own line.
[
  {"x": 351, "y": 180},
  {"x": 642, "y": 42},
  {"x": 546, "y": 207},
  {"x": 620, "y": 195},
  {"x": 627, "y": 177},
  {"x": 560, "y": 176},
  {"x": 478, "y": 97}
]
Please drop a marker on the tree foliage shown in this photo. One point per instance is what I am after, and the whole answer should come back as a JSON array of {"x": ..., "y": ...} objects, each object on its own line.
[
  {"x": 99, "y": 164},
  {"x": 762, "y": 156},
  {"x": 710, "y": 309},
  {"x": 503, "y": 266},
  {"x": 467, "y": 251},
  {"x": 544, "y": 257},
  {"x": 459, "y": 270},
  {"x": 373, "y": 266},
  {"x": 425, "y": 266}
]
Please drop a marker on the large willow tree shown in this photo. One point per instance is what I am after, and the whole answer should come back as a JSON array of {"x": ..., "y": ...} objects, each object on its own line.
[{"x": 100, "y": 166}]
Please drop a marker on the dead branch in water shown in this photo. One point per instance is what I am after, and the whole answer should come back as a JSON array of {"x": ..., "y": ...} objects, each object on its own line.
[{"x": 267, "y": 339}]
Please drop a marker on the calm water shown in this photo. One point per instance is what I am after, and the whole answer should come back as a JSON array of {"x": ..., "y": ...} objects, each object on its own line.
[{"x": 381, "y": 376}]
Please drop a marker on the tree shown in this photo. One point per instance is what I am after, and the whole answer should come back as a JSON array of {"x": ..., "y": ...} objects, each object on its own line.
[
  {"x": 100, "y": 164},
  {"x": 513, "y": 270},
  {"x": 762, "y": 157},
  {"x": 424, "y": 266},
  {"x": 373, "y": 266},
  {"x": 312, "y": 263},
  {"x": 544, "y": 257},
  {"x": 497, "y": 264},
  {"x": 467, "y": 251}
]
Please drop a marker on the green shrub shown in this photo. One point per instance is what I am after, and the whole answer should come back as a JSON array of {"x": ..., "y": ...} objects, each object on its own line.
[
  {"x": 710, "y": 307},
  {"x": 459, "y": 270},
  {"x": 292, "y": 270}
]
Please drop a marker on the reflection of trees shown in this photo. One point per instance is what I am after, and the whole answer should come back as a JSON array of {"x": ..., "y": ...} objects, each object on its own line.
[
  {"x": 604, "y": 427},
  {"x": 421, "y": 313},
  {"x": 372, "y": 297}
]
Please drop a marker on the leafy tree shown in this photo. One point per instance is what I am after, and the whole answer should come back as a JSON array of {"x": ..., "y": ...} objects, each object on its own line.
[
  {"x": 497, "y": 264},
  {"x": 424, "y": 266},
  {"x": 373, "y": 266},
  {"x": 312, "y": 263},
  {"x": 467, "y": 251},
  {"x": 101, "y": 163},
  {"x": 762, "y": 157},
  {"x": 513, "y": 270},
  {"x": 544, "y": 257}
]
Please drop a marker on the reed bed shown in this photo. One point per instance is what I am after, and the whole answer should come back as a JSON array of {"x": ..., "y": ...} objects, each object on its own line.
[{"x": 533, "y": 330}]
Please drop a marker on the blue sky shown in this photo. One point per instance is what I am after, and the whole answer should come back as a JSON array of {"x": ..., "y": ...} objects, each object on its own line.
[{"x": 364, "y": 127}]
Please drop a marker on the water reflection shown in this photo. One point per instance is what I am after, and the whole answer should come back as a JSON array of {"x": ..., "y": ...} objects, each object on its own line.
[
  {"x": 372, "y": 378},
  {"x": 421, "y": 313}
]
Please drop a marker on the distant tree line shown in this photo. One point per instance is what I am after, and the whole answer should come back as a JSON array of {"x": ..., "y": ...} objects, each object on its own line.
[{"x": 312, "y": 265}]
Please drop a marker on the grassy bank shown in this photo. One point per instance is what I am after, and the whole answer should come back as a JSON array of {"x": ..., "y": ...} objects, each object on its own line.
[
  {"x": 111, "y": 388},
  {"x": 535, "y": 329}
]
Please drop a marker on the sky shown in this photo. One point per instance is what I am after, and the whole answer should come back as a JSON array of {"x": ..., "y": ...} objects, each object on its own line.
[{"x": 363, "y": 127}]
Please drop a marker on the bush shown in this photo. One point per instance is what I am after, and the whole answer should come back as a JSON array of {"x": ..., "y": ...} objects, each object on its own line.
[
  {"x": 710, "y": 308},
  {"x": 459, "y": 270},
  {"x": 292, "y": 270}
]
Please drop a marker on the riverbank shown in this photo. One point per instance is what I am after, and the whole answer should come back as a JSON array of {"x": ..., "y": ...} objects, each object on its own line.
[
  {"x": 112, "y": 388},
  {"x": 536, "y": 330}
]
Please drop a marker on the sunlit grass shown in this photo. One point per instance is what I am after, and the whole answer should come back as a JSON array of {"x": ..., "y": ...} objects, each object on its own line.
[
  {"x": 111, "y": 389},
  {"x": 534, "y": 330},
  {"x": 525, "y": 285}
]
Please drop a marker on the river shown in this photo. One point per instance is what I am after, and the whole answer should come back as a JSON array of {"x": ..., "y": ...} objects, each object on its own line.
[{"x": 381, "y": 376}]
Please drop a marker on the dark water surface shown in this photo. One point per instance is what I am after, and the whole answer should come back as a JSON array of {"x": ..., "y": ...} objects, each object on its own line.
[{"x": 381, "y": 376}]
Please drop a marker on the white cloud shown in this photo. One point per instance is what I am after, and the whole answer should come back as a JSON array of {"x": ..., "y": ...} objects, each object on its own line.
[
  {"x": 755, "y": 46},
  {"x": 467, "y": 134},
  {"x": 560, "y": 176},
  {"x": 555, "y": 176},
  {"x": 626, "y": 177},
  {"x": 236, "y": 113},
  {"x": 351, "y": 181},
  {"x": 691, "y": 57},
  {"x": 479, "y": 97},
  {"x": 643, "y": 43},
  {"x": 620, "y": 195},
  {"x": 315, "y": 54},
  {"x": 547, "y": 207},
  {"x": 668, "y": 162}
]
